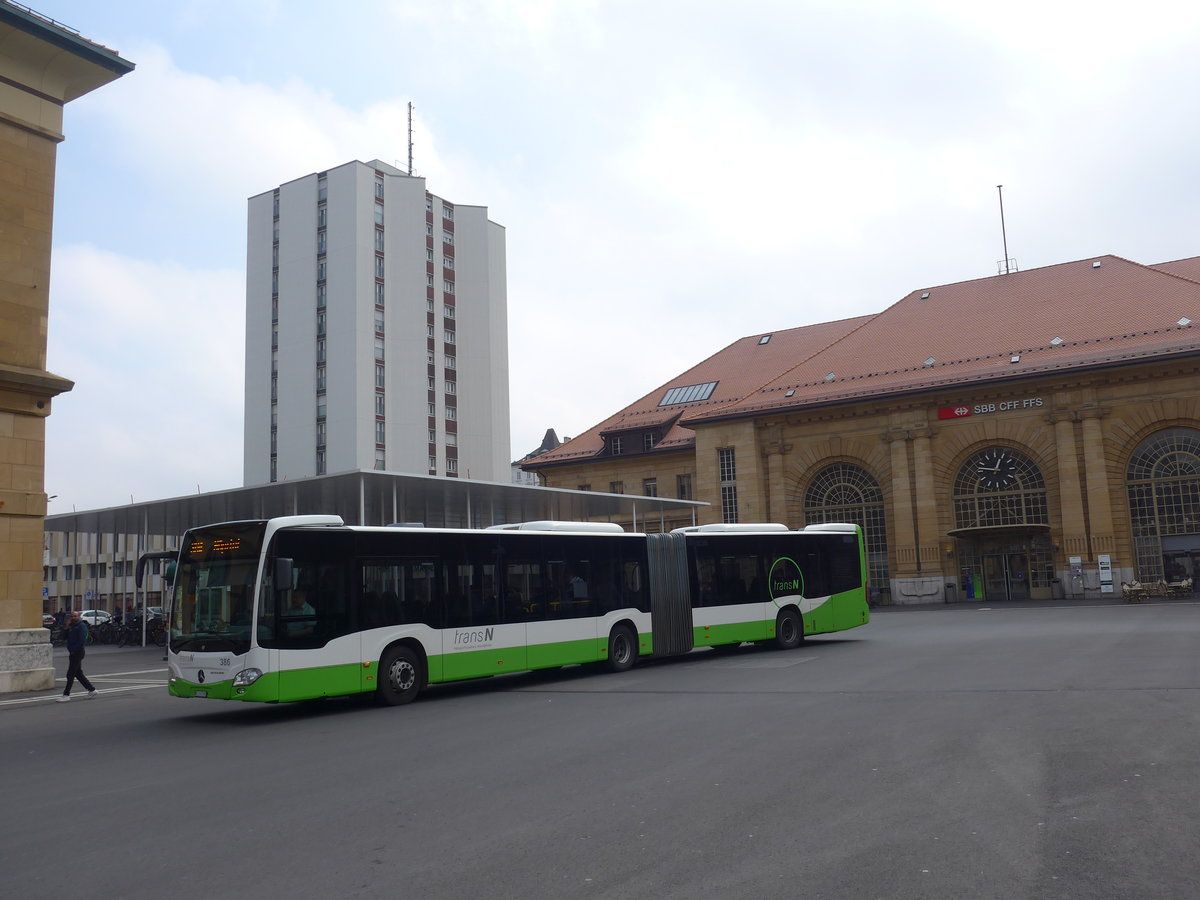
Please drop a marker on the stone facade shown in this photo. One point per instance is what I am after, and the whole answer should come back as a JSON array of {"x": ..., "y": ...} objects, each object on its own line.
[{"x": 42, "y": 68}]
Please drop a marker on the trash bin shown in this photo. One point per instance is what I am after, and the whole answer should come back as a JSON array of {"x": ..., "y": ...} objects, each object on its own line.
[
  {"x": 1056, "y": 589},
  {"x": 951, "y": 592}
]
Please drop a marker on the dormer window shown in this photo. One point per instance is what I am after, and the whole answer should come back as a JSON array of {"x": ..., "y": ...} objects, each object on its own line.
[{"x": 615, "y": 445}]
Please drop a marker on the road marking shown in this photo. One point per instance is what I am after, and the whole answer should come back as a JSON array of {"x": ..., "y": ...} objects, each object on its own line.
[{"x": 82, "y": 696}]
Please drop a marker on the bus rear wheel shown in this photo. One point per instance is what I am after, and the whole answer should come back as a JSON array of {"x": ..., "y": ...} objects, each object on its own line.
[
  {"x": 622, "y": 649},
  {"x": 789, "y": 630},
  {"x": 399, "y": 678}
]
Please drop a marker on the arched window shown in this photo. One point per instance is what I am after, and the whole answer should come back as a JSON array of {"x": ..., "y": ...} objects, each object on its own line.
[
  {"x": 1162, "y": 481},
  {"x": 846, "y": 493},
  {"x": 999, "y": 486}
]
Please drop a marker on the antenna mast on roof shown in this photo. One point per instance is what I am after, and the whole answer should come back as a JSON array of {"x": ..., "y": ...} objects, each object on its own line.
[
  {"x": 410, "y": 142},
  {"x": 1006, "y": 265}
]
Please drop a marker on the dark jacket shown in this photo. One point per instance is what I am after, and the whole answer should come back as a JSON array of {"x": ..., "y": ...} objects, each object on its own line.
[{"x": 77, "y": 637}]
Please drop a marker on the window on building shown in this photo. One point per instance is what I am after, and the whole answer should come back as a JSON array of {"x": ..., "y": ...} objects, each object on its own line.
[
  {"x": 321, "y": 324},
  {"x": 322, "y": 294},
  {"x": 320, "y": 351},
  {"x": 380, "y": 405},
  {"x": 452, "y": 465},
  {"x": 320, "y": 462},
  {"x": 449, "y": 337},
  {"x": 448, "y": 213},
  {"x": 378, "y": 266},
  {"x": 584, "y": 487},
  {"x": 378, "y": 293},
  {"x": 848, "y": 493},
  {"x": 432, "y": 409},
  {"x": 320, "y": 379},
  {"x": 616, "y": 445},
  {"x": 322, "y": 218},
  {"x": 321, "y": 243},
  {"x": 451, "y": 413},
  {"x": 378, "y": 240},
  {"x": 320, "y": 271},
  {"x": 380, "y": 380},
  {"x": 448, "y": 286},
  {"x": 726, "y": 465},
  {"x": 649, "y": 487},
  {"x": 649, "y": 439},
  {"x": 688, "y": 393},
  {"x": 379, "y": 349},
  {"x": 1162, "y": 482},
  {"x": 451, "y": 362},
  {"x": 448, "y": 262},
  {"x": 321, "y": 433},
  {"x": 448, "y": 311},
  {"x": 683, "y": 487},
  {"x": 379, "y": 321},
  {"x": 380, "y": 459},
  {"x": 616, "y": 487},
  {"x": 451, "y": 387},
  {"x": 447, "y": 237},
  {"x": 729, "y": 510},
  {"x": 380, "y": 433},
  {"x": 378, "y": 213},
  {"x": 451, "y": 440}
]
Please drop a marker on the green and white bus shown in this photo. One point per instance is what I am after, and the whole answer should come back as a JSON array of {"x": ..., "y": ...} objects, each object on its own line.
[{"x": 304, "y": 607}]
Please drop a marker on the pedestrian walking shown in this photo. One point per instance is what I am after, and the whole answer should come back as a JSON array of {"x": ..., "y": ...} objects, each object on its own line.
[{"x": 77, "y": 632}]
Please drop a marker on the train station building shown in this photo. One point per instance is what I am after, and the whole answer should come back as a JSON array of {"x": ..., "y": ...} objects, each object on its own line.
[{"x": 1033, "y": 435}]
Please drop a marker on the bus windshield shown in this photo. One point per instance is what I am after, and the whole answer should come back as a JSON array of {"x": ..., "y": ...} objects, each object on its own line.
[{"x": 214, "y": 588}]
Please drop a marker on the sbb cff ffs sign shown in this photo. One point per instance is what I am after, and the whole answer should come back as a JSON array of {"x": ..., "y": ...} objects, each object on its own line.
[{"x": 963, "y": 410}]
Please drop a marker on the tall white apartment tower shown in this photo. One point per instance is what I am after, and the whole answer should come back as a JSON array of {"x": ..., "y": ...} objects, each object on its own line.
[{"x": 376, "y": 330}]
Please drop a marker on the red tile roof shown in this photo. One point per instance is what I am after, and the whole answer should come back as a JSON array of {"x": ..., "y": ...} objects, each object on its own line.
[
  {"x": 1104, "y": 310},
  {"x": 1184, "y": 268}
]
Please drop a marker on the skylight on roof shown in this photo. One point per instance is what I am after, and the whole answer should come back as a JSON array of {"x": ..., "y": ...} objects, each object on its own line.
[
  {"x": 930, "y": 361},
  {"x": 1184, "y": 322},
  {"x": 831, "y": 376},
  {"x": 765, "y": 339},
  {"x": 925, "y": 296},
  {"x": 1056, "y": 342},
  {"x": 688, "y": 393}
]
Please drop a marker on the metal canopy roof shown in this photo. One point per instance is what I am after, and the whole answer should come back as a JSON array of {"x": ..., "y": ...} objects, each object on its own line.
[{"x": 374, "y": 498}]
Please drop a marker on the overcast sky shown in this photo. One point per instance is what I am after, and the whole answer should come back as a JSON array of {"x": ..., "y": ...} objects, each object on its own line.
[{"x": 672, "y": 176}]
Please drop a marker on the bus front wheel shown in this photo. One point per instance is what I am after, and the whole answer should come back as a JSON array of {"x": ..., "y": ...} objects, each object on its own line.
[
  {"x": 789, "y": 630},
  {"x": 399, "y": 677},
  {"x": 622, "y": 649}
]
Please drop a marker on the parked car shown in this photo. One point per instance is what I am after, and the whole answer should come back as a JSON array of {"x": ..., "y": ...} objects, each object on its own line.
[
  {"x": 95, "y": 616},
  {"x": 47, "y": 620}
]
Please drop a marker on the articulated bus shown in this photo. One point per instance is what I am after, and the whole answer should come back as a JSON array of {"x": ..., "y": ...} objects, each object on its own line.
[{"x": 304, "y": 607}]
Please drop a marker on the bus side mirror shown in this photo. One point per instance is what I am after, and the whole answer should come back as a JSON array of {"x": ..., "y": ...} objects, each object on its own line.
[
  {"x": 283, "y": 574},
  {"x": 168, "y": 573}
]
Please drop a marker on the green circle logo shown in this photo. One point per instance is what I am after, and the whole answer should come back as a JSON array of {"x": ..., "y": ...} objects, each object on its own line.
[{"x": 785, "y": 579}]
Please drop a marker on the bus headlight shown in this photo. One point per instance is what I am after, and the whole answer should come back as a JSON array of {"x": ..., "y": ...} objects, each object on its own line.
[{"x": 246, "y": 677}]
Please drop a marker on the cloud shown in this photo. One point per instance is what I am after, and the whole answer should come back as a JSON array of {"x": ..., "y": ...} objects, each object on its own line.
[{"x": 156, "y": 353}]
